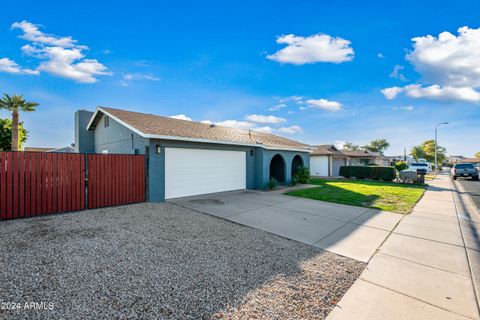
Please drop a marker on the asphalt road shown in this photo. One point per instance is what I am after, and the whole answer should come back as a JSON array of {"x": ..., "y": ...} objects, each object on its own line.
[{"x": 473, "y": 189}]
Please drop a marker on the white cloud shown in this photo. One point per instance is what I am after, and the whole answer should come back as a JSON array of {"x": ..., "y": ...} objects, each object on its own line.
[
  {"x": 31, "y": 32},
  {"x": 10, "y": 66},
  {"x": 380, "y": 55},
  {"x": 128, "y": 78},
  {"x": 232, "y": 124},
  {"x": 324, "y": 104},
  {"x": 449, "y": 65},
  {"x": 406, "y": 108},
  {"x": 181, "y": 117},
  {"x": 339, "y": 144},
  {"x": 448, "y": 60},
  {"x": 447, "y": 93},
  {"x": 257, "y": 118},
  {"x": 397, "y": 73},
  {"x": 311, "y": 49},
  {"x": 391, "y": 93},
  {"x": 277, "y": 107},
  {"x": 291, "y": 130},
  {"x": 265, "y": 129},
  {"x": 60, "y": 56}
]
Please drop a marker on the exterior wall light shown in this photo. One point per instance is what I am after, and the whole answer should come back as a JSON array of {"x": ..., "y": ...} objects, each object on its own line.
[{"x": 158, "y": 149}]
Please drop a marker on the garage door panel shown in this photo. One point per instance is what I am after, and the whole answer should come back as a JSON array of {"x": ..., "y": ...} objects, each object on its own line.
[{"x": 191, "y": 172}]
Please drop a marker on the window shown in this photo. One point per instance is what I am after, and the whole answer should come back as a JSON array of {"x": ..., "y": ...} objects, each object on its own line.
[{"x": 106, "y": 122}]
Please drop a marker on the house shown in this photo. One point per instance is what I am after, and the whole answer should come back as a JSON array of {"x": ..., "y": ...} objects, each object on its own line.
[
  {"x": 67, "y": 149},
  {"x": 455, "y": 159},
  {"x": 471, "y": 160},
  {"x": 186, "y": 158},
  {"x": 326, "y": 159},
  {"x": 380, "y": 159}
]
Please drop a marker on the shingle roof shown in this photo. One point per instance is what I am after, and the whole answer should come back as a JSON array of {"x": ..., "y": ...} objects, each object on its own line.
[
  {"x": 357, "y": 153},
  {"x": 329, "y": 149},
  {"x": 153, "y": 126},
  {"x": 326, "y": 149}
]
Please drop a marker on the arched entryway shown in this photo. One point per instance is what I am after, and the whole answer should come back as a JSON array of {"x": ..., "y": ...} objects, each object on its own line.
[
  {"x": 277, "y": 168},
  {"x": 297, "y": 162}
]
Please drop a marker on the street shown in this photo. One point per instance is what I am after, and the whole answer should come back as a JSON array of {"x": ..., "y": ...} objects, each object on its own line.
[{"x": 473, "y": 190}]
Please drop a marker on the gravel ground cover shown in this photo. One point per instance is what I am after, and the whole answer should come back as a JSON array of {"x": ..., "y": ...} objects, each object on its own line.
[{"x": 161, "y": 261}]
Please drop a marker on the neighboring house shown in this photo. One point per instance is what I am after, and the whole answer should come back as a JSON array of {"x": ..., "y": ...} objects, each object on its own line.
[
  {"x": 455, "y": 159},
  {"x": 67, "y": 149},
  {"x": 471, "y": 160},
  {"x": 187, "y": 158},
  {"x": 380, "y": 159},
  {"x": 326, "y": 159}
]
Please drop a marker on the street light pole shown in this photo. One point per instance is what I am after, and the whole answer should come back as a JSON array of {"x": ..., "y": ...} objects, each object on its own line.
[{"x": 436, "y": 129}]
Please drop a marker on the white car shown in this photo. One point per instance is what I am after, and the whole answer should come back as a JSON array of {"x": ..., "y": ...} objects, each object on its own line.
[{"x": 419, "y": 167}]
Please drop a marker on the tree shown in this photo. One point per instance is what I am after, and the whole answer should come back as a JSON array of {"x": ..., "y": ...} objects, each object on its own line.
[
  {"x": 350, "y": 146},
  {"x": 6, "y": 134},
  {"x": 379, "y": 145},
  {"x": 15, "y": 104},
  {"x": 417, "y": 153},
  {"x": 477, "y": 155},
  {"x": 427, "y": 151}
]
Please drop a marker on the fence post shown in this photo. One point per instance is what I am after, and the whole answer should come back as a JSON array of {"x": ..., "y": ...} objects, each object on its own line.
[{"x": 86, "y": 180}]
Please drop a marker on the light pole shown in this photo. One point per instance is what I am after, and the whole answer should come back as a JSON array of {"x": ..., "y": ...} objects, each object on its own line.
[{"x": 436, "y": 128}]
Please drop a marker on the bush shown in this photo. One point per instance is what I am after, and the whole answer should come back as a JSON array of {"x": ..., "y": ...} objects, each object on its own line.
[
  {"x": 272, "y": 183},
  {"x": 301, "y": 175},
  {"x": 401, "y": 165},
  {"x": 369, "y": 172}
]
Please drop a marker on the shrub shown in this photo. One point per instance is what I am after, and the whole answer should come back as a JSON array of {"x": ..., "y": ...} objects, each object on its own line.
[
  {"x": 301, "y": 175},
  {"x": 401, "y": 165},
  {"x": 369, "y": 172},
  {"x": 272, "y": 183}
]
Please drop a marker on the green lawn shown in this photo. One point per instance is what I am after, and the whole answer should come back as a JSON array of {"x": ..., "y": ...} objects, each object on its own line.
[{"x": 386, "y": 196}]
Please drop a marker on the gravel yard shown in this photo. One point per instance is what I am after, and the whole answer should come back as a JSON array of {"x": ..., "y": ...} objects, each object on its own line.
[{"x": 160, "y": 261}]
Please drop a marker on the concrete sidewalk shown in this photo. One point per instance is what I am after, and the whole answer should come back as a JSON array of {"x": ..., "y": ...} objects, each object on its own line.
[{"x": 424, "y": 268}]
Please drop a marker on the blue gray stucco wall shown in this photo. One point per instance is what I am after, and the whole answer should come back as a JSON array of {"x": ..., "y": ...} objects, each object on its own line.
[
  {"x": 117, "y": 138},
  {"x": 157, "y": 163},
  {"x": 263, "y": 165},
  {"x": 84, "y": 139}
]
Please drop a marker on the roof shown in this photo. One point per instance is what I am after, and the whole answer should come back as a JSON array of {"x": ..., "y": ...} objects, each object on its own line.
[
  {"x": 166, "y": 128},
  {"x": 357, "y": 153},
  {"x": 37, "y": 149},
  {"x": 471, "y": 160},
  {"x": 331, "y": 150},
  {"x": 325, "y": 150}
]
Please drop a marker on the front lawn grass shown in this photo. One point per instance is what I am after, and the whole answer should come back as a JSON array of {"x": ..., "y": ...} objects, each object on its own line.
[{"x": 388, "y": 196}]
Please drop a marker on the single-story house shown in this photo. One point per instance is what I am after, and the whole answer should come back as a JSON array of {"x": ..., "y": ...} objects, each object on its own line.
[
  {"x": 186, "y": 158},
  {"x": 326, "y": 159},
  {"x": 471, "y": 160},
  {"x": 67, "y": 149}
]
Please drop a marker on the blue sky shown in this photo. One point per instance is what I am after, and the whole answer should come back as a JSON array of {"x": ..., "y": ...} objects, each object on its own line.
[{"x": 313, "y": 71}]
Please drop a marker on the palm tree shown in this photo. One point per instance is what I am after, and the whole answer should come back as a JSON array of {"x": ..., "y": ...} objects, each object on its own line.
[{"x": 15, "y": 104}]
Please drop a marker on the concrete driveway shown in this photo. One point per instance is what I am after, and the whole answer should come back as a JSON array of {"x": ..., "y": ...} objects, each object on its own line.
[{"x": 350, "y": 231}]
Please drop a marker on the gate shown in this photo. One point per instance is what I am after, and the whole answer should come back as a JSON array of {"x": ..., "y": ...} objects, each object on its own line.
[
  {"x": 36, "y": 183},
  {"x": 115, "y": 179}
]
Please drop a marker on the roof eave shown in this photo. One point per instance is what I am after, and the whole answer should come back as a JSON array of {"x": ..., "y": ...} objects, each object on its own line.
[{"x": 176, "y": 138}]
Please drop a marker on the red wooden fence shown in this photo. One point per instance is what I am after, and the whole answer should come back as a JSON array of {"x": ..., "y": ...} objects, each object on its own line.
[
  {"x": 115, "y": 179},
  {"x": 36, "y": 183}
]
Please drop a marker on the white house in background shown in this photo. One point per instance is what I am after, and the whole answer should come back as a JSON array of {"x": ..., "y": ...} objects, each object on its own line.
[{"x": 326, "y": 160}]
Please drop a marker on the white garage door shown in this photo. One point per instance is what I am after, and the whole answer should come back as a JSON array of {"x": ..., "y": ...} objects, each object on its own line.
[
  {"x": 319, "y": 166},
  {"x": 191, "y": 172}
]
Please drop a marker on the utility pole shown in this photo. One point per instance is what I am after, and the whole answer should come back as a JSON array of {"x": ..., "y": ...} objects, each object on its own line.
[{"x": 436, "y": 157}]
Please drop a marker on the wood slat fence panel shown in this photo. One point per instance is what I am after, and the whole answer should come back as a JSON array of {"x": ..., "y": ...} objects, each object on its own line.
[{"x": 35, "y": 183}]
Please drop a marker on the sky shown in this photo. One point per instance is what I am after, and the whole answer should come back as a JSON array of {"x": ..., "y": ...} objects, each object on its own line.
[{"x": 320, "y": 72}]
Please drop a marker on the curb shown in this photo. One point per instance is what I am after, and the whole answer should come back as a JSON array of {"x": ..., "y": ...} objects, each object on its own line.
[{"x": 461, "y": 194}]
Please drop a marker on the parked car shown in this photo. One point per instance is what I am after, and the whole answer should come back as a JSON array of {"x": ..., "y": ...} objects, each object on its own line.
[
  {"x": 465, "y": 170},
  {"x": 420, "y": 167}
]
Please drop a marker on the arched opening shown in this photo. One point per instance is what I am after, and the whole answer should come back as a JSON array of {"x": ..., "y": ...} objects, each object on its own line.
[
  {"x": 297, "y": 162},
  {"x": 277, "y": 168}
]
